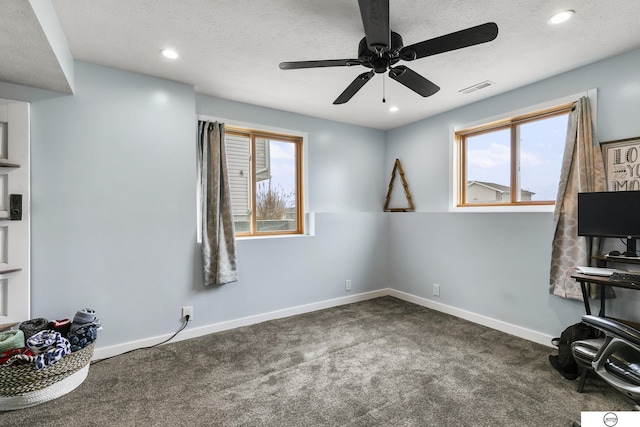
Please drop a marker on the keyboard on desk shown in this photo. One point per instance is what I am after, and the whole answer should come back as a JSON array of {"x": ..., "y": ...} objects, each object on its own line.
[{"x": 626, "y": 277}]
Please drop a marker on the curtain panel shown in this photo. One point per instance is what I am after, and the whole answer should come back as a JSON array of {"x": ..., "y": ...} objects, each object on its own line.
[
  {"x": 217, "y": 229},
  {"x": 582, "y": 171}
]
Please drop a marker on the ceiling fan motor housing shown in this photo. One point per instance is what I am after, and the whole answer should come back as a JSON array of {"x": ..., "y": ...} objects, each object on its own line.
[
  {"x": 386, "y": 49},
  {"x": 388, "y": 57}
]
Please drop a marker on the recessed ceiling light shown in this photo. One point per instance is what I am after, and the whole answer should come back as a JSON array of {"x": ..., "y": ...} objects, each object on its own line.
[
  {"x": 393, "y": 109},
  {"x": 169, "y": 53},
  {"x": 561, "y": 17}
]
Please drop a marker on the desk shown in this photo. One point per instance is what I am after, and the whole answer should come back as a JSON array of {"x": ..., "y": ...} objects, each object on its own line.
[{"x": 601, "y": 281}]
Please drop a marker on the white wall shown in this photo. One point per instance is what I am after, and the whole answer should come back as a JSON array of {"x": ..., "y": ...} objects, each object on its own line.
[{"x": 497, "y": 265}]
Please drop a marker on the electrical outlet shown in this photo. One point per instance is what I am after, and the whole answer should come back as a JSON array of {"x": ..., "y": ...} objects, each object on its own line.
[
  {"x": 187, "y": 311},
  {"x": 347, "y": 285},
  {"x": 436, "y": 289}
]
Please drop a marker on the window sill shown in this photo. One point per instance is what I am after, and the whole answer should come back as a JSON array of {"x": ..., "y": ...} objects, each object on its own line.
[
  {"x": 502, "y": 209},
  {"x": 310, "y": 231},
  {"x": 273, "y": 236}
]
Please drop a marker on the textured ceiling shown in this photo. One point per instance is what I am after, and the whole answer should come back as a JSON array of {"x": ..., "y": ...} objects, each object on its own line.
[
  {"x": 27, "y": 56},
  {"x": 231, "y": 48}
]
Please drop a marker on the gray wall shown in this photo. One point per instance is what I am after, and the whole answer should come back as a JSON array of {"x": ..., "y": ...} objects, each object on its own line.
[
  {"x": 497, "y": 264},
  {"x": 114, "y": 210}
]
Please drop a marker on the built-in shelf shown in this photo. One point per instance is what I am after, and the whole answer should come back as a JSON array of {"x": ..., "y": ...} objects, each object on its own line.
[
  {"x": 7, "y": 325},
  {"x": 602, "y": 259},
  {"x": 4, "y": 164}
]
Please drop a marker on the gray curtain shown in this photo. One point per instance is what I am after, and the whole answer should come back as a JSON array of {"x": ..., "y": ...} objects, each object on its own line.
[
  {"x": 218, "y": 234},
  {"x": 582, "y": 171}
]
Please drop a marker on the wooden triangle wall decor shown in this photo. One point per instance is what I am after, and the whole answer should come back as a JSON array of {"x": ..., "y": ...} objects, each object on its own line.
[{"x": 397, "y": 167}]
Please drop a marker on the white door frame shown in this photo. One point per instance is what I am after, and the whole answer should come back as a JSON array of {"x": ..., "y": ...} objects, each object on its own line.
[{"x": 15, "y": 239}]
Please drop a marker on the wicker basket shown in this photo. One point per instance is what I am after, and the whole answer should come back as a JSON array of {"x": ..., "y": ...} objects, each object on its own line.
[{"x": 25, "y": 385}]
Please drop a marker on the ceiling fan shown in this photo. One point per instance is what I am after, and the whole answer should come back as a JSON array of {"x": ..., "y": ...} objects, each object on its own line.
[{"x": 381, "y": 49}]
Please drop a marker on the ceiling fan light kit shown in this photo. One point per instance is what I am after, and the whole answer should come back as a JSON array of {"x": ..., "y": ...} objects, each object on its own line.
[{"x": 381, "y": 49}]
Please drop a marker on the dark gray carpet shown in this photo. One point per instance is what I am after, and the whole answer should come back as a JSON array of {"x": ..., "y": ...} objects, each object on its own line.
[{"x": 382, "y": 362}]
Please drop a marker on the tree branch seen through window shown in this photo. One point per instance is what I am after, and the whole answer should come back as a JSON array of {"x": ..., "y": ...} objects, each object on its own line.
[{"x": 272, "y": 203}]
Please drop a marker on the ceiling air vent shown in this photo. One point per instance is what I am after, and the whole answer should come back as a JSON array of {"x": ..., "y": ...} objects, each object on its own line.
[{"x": 476, "y": 87}]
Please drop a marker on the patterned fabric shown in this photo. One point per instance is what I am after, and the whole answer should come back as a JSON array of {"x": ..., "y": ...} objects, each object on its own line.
[
  {"x": 48, "y": 347},
  {"x": 582, "y": 171},
  {"x": 218, "y": 234},
  {"x": 83, "y": 336}
]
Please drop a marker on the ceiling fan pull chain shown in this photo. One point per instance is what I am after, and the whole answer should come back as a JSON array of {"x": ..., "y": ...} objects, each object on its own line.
[{"x": 383, "y": 90}]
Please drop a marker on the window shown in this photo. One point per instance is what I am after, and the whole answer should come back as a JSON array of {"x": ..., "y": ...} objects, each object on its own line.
[
  {"x": 512, "y": 162},
  {"x": 265, "y": 175}
]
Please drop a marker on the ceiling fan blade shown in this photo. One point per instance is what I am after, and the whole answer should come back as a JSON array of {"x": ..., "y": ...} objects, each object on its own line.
[
  {"x": 464, "y": 38},
  {"x": 375, "y": 18},
  {"x": 413, "y": 80},
  {"x": 318, "y": 64},
  {"x": 354, "y": 87}
]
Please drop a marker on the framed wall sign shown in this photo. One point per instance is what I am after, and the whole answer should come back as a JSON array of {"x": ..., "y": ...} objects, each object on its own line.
[{"x": 622, "y": 164}]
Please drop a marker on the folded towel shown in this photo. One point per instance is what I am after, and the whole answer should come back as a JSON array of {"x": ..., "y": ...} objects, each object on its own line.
[
  {"x": 33, "y": 326},
  {"x": 84, "y": 317},
  {"x": 10, "y": 340}
]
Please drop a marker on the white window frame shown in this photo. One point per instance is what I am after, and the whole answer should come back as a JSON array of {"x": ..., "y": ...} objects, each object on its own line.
[{"x": 455, "y": 164}]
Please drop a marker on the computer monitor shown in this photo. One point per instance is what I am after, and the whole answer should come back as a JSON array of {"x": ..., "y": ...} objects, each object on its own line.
[{"x": 610, "y": 214}]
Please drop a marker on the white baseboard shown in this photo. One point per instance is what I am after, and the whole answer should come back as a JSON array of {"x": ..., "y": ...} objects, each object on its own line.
[
  {"x": 498, "y": 325},
  {"x": 101, "y": 353}
]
